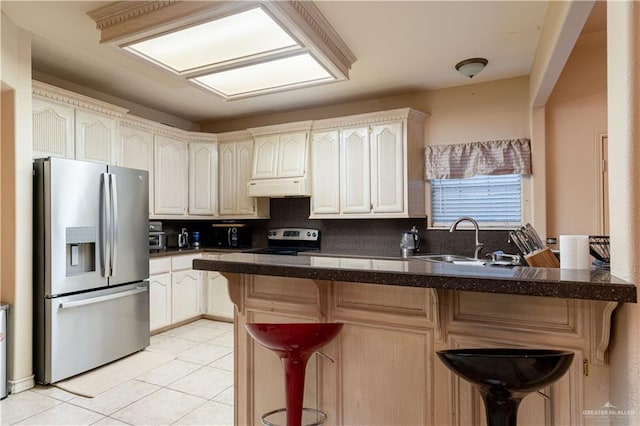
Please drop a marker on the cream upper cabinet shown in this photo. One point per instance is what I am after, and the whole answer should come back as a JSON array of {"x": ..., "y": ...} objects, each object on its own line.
[
  {"x": 203, "y": 178},
  {"x": 355, "y": 189},
  {"x": 136, "y": 146},
  {"x": 246, "y": 205},
  {"x": 387, "y": 168},
  {"x": 325, "y": 171},
  {"x": 171, "y": 177},
  {"x": 96, "y": 137},
  {"x": 235, "y": 166},
  {"x": 53, "y": 129},
  {"x": 265, "y": 163},
  {"x": 280, "y": 155},
  {"x": 292, "y": 154},
  {"x": 381, "y": 166},
  {"x": 66, "y": 124}
]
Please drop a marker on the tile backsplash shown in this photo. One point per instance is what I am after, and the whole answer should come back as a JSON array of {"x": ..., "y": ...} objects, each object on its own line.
[{"x": 376, "y": 237}]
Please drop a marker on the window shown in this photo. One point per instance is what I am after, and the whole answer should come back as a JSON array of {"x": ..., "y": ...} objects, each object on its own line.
[{"x": 493, "y": 200}]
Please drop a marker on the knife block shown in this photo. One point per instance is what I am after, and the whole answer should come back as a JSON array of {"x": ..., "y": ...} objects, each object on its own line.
[{"x": 542, "y": 258}]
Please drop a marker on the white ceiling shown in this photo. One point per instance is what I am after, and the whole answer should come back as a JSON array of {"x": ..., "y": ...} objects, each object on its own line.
[{"x": 400, "y": 46}]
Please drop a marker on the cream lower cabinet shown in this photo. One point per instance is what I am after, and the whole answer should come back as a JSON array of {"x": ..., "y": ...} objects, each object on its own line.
[
  {"x": 159, "y": 293},
  {"x": 186, "y": 289},
  {"x": 176, "y": 292},
  {"x": 372, "y": 169},
  {"x": 186, "y": 295},
  {"x": 159, "y": 301},
  {"x": 387, "y": 371},
  {"x": 218, "y": 304}
]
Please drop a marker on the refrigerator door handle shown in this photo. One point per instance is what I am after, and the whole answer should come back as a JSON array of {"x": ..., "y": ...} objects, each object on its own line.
[
  {"x": 114, "y": 222},
  {"x": 105, "y": 250},
  {"x": 100, "y": 299}
]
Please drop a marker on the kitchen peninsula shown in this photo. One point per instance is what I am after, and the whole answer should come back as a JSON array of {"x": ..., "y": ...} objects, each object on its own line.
[{"x": 397, "y": 314}]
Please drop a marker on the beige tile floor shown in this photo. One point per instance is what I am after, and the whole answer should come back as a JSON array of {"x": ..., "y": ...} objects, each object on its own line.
[{"x": 196, "y": 388}]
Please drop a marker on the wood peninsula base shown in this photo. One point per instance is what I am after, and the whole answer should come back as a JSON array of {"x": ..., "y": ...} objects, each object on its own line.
[{"x": 386, "y": 371}]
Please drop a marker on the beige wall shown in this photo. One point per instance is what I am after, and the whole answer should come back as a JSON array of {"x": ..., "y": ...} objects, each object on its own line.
[
  {"x": 16, "y": 170},
  {"x": 576, "y": 117},
  {"x": 623, "y": 83},
  {"x": 485, "y": 111}
]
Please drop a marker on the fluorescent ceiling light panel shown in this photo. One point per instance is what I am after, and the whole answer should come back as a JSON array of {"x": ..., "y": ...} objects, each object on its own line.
[
  {"x": 242, "y": 35},
  {"x": 282, "y": 73}
]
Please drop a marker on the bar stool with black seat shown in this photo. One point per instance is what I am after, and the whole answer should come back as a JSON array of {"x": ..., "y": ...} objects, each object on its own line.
[
  {"x": 505, "y": 376},
  {"x": 294, "y": 343}
]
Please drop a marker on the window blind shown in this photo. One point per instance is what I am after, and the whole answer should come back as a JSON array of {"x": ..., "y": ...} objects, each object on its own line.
[{"x": 492, "y": 200}]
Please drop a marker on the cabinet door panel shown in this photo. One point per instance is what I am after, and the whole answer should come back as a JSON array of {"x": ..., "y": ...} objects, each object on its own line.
[
  {"x": 53, "y": 130},
  {"x": 95, "y": 137},
  {"x": 387, "y": 168},
  {"x": 159, "y": 301},
  {"x": 354, "y": 171},
  {"x": 265, "y": 161},
  {"x": 292, "y": 150},
  {"x": 218, "y": 302},
  {"x": 171, "y": 183},
  {"x": 185, "y": 295},
  {"x": 325, "y": 172},
  {"x": 405, "y": 357},
  {"x": 245, "y": 203},
  {"x": 203, "y": 173},
  {"x": 137, "y": 153},
  {"x": 227, "y": 176}
]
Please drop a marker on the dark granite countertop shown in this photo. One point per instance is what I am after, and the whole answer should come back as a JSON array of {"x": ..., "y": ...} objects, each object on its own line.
[
  {"x": 191, "y": 250},
  {"x": 545, "y": 282}
]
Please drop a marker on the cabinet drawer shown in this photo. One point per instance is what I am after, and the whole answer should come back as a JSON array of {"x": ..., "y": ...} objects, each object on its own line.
[
  {"x": 183, "y": 262},
  {"x": 160, "y": 265}
]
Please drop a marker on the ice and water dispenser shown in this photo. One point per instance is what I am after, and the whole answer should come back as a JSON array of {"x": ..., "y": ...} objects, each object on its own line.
[{"x": 81, "y": 250}]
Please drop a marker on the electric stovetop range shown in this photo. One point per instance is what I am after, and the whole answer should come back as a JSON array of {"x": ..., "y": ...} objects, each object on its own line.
[{"x": 290, "y": 241}]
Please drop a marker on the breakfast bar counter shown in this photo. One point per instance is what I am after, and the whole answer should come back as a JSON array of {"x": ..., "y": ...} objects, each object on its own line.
[
  {"x": 546, "y": 282},
  {"x": 396, "y": 314}
]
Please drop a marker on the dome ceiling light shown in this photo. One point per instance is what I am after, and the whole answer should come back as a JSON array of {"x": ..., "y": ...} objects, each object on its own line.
[
  {"x": 471, "y": 67},
  {"x": 235, "y": 49}
]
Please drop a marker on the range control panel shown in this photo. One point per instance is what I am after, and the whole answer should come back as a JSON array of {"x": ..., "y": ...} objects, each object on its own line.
[{"x": 293, "y": 234}]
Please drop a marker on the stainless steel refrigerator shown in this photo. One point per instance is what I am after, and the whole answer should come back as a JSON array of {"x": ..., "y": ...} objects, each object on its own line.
[{"x": 91, "y": 263}]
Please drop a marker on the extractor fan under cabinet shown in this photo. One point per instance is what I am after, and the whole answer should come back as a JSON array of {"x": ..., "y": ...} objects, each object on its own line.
[
  {"x": 280, "y": 160},
  {"x": 369, "y": 165}
]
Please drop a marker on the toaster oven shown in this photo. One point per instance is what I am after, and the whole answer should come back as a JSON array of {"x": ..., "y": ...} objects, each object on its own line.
[{"x": 157, "y": 237}]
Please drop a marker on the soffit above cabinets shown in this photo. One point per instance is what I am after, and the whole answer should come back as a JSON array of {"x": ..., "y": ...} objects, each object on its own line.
[{"x": 235, "y": 49}]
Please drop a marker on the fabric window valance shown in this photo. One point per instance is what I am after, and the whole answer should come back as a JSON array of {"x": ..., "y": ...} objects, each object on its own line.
[{"x": 501, "y": 157}]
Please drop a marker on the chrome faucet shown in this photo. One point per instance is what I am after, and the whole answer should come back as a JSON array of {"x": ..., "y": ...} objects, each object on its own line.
[{"x": 479, "y": 246}]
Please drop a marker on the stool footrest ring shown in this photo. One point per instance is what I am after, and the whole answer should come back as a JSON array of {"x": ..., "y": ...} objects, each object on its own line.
[{"x": 322, "y": 416}]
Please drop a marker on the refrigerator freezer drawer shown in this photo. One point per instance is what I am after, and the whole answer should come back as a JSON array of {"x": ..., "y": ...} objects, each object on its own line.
[{"x": 85, "y": 331}]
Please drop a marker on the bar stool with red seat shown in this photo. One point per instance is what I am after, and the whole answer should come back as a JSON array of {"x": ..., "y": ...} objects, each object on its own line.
[{"x": 294, "y": 343}]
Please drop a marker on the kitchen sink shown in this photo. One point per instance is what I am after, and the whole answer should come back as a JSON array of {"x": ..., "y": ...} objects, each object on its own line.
[{"x": 446, "y": 258}]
